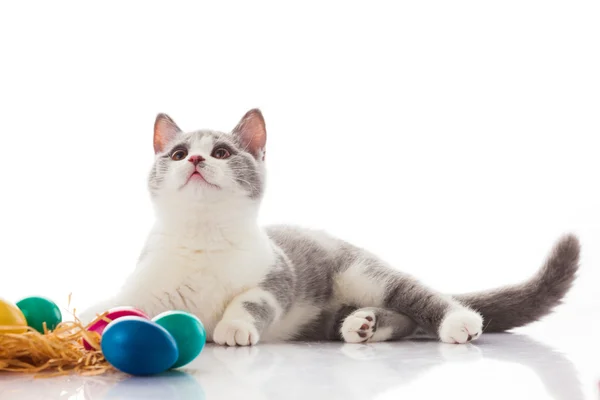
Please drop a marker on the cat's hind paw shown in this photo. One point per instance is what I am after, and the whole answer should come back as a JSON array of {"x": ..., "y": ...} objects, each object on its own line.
[
  {"x": 235, "y": 333},
  {"x": 359, "y": 326},
  {"x": 461, "y": 326}
]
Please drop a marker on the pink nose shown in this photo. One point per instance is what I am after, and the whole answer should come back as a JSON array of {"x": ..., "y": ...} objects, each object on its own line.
[{"x": 196, "y": 159}]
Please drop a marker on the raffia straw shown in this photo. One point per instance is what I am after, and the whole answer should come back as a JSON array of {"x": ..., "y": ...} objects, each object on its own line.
[{"x": 53, "y": 353}]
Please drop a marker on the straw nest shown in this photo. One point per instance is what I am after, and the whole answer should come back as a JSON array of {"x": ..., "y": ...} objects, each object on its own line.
[{"x": 57, "y": 352}]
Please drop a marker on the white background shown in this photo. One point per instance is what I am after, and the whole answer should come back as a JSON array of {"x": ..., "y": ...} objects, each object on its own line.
[{"x": 456, "y": 139}]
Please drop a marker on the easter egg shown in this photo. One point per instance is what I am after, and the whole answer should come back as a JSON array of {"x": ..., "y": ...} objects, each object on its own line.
[
  {"x": 137, "y": 346},
  {"x": 188, "y": 332},
  {"x": 38, "y": 310},
  {"x": 113, "y": 314},
  {"x": 10, "y": 315}
]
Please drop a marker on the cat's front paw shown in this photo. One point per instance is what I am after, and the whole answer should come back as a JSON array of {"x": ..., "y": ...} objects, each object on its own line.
[
  {"x": 460, "y": 326},
  {"x": 235, "y": 332}
]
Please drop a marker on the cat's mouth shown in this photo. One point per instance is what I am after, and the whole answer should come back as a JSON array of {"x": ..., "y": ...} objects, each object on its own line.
[{"x": 196, "y": 176}]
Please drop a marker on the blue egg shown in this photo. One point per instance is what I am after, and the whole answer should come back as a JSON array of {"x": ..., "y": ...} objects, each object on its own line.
[{"x": 138, "y": 346}]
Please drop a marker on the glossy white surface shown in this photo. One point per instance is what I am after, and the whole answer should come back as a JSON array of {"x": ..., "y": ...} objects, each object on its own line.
[{"x": 555, "y": 359}]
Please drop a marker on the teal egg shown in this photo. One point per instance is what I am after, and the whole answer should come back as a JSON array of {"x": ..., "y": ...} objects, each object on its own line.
[
  {"x": 188, "y": 332},
  {"x": 38, "y": 310}
]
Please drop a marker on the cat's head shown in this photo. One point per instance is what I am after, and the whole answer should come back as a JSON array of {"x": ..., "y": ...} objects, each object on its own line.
[{"x": 208, "y": 167}]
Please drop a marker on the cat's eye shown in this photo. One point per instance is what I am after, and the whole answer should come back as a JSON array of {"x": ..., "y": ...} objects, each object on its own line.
[
  {"x": 221, "y": 153},
  {"x": 179, "y": 155}
]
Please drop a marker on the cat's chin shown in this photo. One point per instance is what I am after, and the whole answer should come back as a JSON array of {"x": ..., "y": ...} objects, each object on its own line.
[
  {"x": 196, "y": 179},
  {"x": 199, "y": 193}
]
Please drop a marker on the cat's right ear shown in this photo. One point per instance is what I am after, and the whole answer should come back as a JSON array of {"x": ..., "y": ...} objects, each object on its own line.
[{"x": 165, "y": 130}]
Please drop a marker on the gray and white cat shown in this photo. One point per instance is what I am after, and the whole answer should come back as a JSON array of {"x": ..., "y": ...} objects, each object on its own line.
[{"x": 206, "y": 254}]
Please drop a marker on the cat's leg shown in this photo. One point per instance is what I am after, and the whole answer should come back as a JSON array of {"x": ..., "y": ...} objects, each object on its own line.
[
  {"x": 246, "y": 317},
  {"x": 375, "y": 324},
  {"x": 252, "y": 312},
  {"x": 437, "y": 314},
  {"x": 369, "y": 282}
]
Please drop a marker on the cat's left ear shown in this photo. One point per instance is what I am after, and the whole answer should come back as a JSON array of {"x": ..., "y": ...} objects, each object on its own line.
[
  {"x": 165, "y": 130},
  {"x": 252, "y": 133}
]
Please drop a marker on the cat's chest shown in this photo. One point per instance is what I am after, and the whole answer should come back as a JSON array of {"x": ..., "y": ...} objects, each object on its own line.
[
  {"x": 202, "y": 282},
  {"x": 207, "y": 294}
]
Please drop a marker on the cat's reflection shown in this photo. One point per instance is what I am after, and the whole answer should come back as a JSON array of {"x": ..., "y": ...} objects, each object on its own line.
[
  {"x": 289, "y": 372},
  {"x": 306, "y": 371}
]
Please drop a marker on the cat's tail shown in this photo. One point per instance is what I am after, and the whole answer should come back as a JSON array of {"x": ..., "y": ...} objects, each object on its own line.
[{"x": 514, "y": 306}]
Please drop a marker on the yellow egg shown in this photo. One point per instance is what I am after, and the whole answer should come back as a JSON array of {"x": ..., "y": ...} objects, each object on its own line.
[{"x": 11, "y": 316}]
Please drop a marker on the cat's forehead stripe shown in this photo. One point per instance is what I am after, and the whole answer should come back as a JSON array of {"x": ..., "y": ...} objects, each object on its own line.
[{"x": 205, "y": 139}]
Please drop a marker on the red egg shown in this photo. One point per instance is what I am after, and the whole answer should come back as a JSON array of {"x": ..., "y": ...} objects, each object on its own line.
[{"x": 112, "y": 314}]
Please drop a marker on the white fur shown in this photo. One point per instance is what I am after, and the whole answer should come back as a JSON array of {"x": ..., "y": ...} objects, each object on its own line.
[
  {"x": 289, "y": 325},
  {"x": 459, "y": 324},
  {"x": 236, "y": 332},
  {"x": 354, "y": 287},
  {"x": 382, "y": 334}
]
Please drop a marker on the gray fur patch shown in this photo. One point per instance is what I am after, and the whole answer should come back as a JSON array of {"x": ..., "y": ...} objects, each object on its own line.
[
  {"x": 157, "y": 175},
  {"x": 408, "y": 296},
  {"x": 246, "y": 174},
  {"x": 281, "y": 282},
  {"x": 326, "y": 326},
  {"x": 262, "y": 313},
  {"x": 315, "y": 263}
]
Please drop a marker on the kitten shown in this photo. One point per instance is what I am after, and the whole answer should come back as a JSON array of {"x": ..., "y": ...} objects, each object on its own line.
[{"x": 207, "y": 255}]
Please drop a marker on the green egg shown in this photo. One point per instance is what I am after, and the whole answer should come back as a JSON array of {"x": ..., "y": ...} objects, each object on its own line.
[
  {"x": 188, "y": 332},
  {"x": 38, "y": 310}
]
